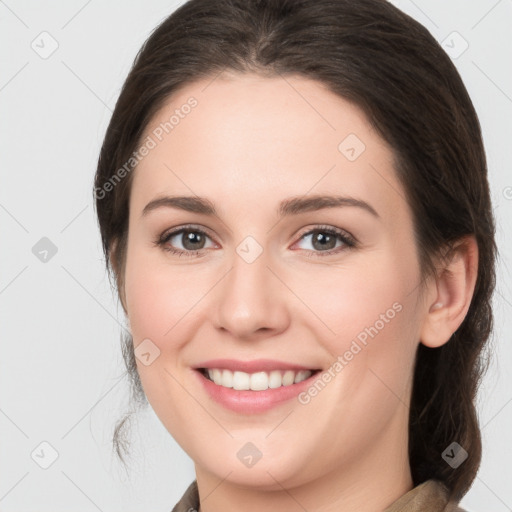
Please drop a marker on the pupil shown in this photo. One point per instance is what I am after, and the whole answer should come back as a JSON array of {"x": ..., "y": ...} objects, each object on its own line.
[
  {"x": 192, "y": 238},
  {"x": 323, "y": 240}
]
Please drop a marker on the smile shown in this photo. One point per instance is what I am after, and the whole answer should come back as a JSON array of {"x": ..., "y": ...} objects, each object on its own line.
[
  {"x": 259, "y": 381},
  {"x": 251, "y": 387}
]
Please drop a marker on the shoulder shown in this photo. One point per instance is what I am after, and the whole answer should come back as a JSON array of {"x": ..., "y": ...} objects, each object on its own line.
[{"x": 431, "y": 495}]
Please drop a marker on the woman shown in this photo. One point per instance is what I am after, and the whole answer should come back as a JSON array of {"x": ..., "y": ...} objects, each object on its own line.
[{"x": 293, "y": 198}]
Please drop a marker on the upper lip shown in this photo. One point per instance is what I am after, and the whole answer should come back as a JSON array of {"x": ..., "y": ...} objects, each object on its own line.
[{"x": 257, "y": 365}]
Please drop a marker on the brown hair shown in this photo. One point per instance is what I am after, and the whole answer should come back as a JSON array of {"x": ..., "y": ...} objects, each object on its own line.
[{"x": 374, "y": 55}]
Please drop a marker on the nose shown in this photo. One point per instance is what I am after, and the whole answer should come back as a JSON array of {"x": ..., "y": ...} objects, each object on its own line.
[{"x": 252, "y": 301}]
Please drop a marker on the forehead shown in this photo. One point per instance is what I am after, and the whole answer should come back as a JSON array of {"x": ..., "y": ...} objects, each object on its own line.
[{"x": 256, "y": 140}]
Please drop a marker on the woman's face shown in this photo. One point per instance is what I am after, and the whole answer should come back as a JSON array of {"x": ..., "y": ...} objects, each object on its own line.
[{"x": 280, "y": 279}]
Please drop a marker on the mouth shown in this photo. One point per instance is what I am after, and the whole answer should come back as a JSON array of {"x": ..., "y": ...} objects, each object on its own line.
[
  {"x": 256, "y": 381},
  {"x": 253, "y": 386},
  {"x": 262, "y": 386}
]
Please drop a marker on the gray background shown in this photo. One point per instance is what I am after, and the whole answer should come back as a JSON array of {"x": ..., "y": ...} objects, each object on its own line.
[{"x": 61, "y": 370}]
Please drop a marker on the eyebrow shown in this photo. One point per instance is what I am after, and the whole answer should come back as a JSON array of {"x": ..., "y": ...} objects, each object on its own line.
[{"x": 291, "y": 206}]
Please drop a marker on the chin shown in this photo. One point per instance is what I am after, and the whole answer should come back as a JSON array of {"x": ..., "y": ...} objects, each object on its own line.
[{"x": 270, "y": 472}]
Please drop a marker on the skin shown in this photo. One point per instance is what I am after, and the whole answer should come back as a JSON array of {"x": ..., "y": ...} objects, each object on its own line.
[{"x": 250, "y": 143}]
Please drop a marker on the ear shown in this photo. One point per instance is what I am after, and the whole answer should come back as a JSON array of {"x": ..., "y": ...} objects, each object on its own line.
[{"x": 451, "y": 293}]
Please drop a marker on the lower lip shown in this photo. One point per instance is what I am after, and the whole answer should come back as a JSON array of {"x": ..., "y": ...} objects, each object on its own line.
[{"x": 250, "y": 402}]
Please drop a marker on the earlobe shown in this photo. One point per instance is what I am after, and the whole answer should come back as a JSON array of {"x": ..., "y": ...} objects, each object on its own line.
[{"x": 452, "y": 293}]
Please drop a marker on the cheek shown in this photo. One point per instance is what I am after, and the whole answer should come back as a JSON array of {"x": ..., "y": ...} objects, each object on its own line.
[
  {"x": 349, "y": 301},
  {"x": 369, "y": 326},
  {"x": 160, "y": 298},
  {"x": 162, "y": 304},
  {"x": 368, "y": 318}
]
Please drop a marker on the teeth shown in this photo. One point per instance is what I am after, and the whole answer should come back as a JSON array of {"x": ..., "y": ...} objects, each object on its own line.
[
  {"x": 275, "y": 380},
  {"x": 259, "y": 381},
  {"x": 241, "y": 381},
  {"x": 217, "y": 376},
  {"x": 227, "y": 378}
]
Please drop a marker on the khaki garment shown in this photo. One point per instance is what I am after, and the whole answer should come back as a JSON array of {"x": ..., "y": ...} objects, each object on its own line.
[{"x": 430, "y": 496}]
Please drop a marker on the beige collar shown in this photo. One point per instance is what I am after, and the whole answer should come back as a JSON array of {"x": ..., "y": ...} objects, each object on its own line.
[{"x": 430, "y": 496}]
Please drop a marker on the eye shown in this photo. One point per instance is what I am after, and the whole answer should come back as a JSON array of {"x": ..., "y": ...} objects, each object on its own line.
[
  {"x": 187, "y": 241},
  {"x": 192, "y": 241},
  {"x": 324, "y": 240}
]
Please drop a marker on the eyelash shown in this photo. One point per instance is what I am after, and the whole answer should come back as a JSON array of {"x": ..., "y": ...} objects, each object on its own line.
[{"x": 348, "y": 240}]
